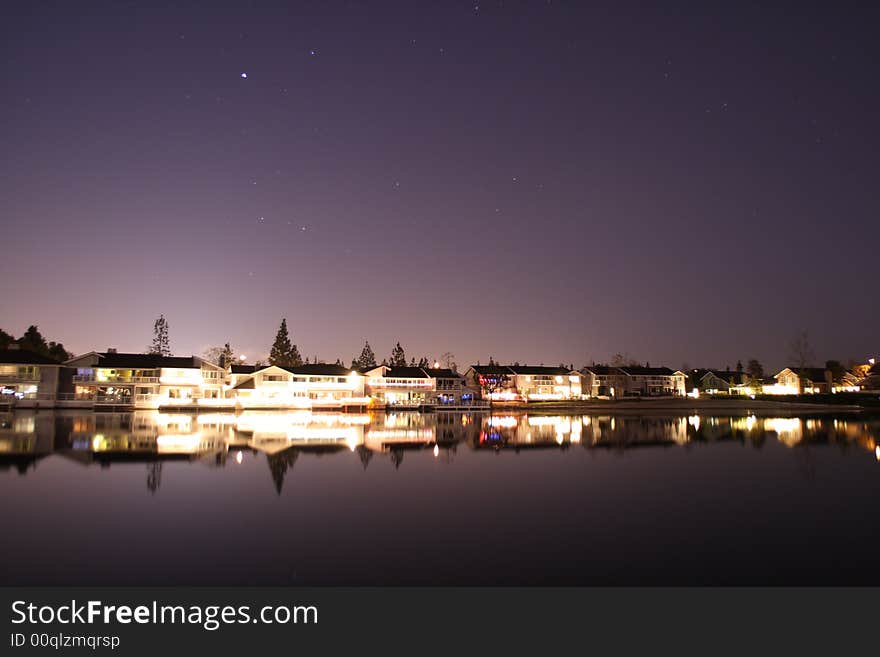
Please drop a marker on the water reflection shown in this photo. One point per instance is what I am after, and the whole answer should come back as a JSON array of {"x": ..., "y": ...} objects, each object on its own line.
[{"x": 220, "y": 439}]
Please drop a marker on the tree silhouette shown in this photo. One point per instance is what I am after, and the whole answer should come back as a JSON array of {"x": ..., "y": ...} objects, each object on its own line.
[
  {"x": 279, "y": 464},
  {"x": 284, "y": 353},
  {"x": 398, "y": 357},
  {"x": 365, "y": 454},
  {"x": 161, "y": 342},
  {"x": 367, "y": 358},
  {"x": 154, "y": 476}
]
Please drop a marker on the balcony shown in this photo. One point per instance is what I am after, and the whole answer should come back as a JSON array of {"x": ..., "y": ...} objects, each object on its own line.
[
  {"x": 19, "y": 378},
  {"x": 93, "y": 379}
]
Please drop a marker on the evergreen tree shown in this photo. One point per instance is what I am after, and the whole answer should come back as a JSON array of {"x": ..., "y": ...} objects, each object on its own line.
[
  {"x": 412, "y": 361},
  {"x": 58, "y": 352},
  {"x": 398, "y": 357},
  {"x": 739, "y": 366},
  {"x": 33, "y": 340},
  {"x": 6, "y": 339},
  {"x": 423, "y": 362},
  {"x": 284, "y": 353},
  {"x": 161, "y": 342},
  {"x": 367, "y": 358}
]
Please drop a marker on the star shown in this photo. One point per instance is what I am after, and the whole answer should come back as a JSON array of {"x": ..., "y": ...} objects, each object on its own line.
[{"x": 244, "y": 76}]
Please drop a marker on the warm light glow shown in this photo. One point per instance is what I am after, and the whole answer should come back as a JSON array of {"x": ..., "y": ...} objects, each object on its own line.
[
  {"x": 695, "y": 394},
  {"x": 239, "y": 457},
  {"x": 436, "y": 451},
  {"x": 242, "y": 358},
  {"x": 436, "y": 364}
]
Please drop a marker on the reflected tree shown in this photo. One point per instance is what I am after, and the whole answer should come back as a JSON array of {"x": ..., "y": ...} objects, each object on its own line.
[
  {"x": 154, "y": 476},
  {"x": 279, "y": 464},
  {"x": 365, "y": 454}
]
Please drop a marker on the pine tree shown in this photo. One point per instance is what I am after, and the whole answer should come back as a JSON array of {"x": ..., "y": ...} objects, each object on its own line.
[
  {"x": 423, "y": 362},
  {"x": 284, "y": 353},
  {"x": 398, "y": 357},
  {"x": 161, "y": 342},
  {"x": 367, "y": 358}
]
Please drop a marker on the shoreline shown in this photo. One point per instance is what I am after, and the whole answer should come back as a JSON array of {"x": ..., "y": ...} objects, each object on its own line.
[{"x": 678, "y": 405}]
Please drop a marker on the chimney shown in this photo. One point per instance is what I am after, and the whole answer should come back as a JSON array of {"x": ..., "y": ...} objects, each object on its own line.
[
  {"x": 111, "y": 350},
  {"x": 223, "y": 361}
]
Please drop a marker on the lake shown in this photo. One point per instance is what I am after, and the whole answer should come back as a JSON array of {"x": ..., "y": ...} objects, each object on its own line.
[{"x": 263, "y": 498}]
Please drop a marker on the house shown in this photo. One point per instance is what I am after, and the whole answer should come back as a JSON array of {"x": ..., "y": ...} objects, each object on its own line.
[
  {"x": 28, "y": 378},
  {"x": 146, "y": 381},
  {"x": 525, "y": 382},
  {"x": 722, "y": 381},
  {"x": 303, "y": 386},
  {"x": 812, "y": 380},
  {"x": 653, "y": 381},
  {"x": 603, "y": 381},
  {"x": 418, "y": 386}
]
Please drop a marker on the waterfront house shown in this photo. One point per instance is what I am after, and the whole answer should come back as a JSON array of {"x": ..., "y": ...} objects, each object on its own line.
[
  {"x": 722, "y": 382},
  {"x": 401, "y": 386},
  {"x": 646, "y": 381},
  {"x": 303, "y": 386},
  {"x": 28, "y": 378},
  {"x": 525, "y": 382},
  {"x": 812, "y": 380},
  {"x": 146, "y": 381},
  {"x": 603, "y": 381}
]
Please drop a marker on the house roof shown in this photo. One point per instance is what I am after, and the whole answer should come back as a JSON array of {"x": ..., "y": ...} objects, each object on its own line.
[
  {"x": 441, "y": 373},
  {"x": 243, "y": 369},
  {"x": 247, "y": 384},
  {"x": 726, "y": 375},
  {"x": 405, "y": 373},
  {"x": 142, "y": 361},
  {"x": 639, "y": 370},
  {"x": 603, "y": 370},
  {"x": 490, "y": 370},
  {"x": 319, "y": 369},
  {"x": 537, "y": 369},
  {"x": 25, "y": 357},
  {"x": 814, "y": 374}
]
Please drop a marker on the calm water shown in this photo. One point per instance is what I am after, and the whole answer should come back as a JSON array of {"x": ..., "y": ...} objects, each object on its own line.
[{"x": 299, "y": 498}]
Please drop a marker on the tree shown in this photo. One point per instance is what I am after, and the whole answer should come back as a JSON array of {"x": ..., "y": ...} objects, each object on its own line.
[
  {"x": 448, "y": 360},
  {"x": 836, "y": 368},
  {"x": 33, "y": 340},
  {"x": 6, "y": 339},
  {"x": 284, "y": 353},
  {"x": 161, "y": 343},
  {"x": 739, "y": 366},
  {"x": 398, "y": 357},
  {"x": 423, "y": 362},
  {"x": 754, "y": 369},
  {"x": 221, "y": 356},
  {"x": 366, "y": 360},
  {"x": 58, "y": 352},
  {"x": 801, "y": 354}
]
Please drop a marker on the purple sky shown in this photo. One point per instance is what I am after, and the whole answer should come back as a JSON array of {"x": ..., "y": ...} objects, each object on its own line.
[{"x": 536, "y": 181}]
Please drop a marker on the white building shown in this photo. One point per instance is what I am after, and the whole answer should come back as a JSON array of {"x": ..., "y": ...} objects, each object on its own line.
[
  {"x": 300, "y": 387},
  {"x": 146, "y": 381}
]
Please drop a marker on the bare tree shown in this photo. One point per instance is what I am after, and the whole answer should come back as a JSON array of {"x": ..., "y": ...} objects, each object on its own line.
[
  {"x": 801, "y": 354},
  {"x": 448, "y": 359}
]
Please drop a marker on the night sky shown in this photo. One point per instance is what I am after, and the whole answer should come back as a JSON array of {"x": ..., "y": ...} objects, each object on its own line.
[{"x": 535, "y": 181}]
